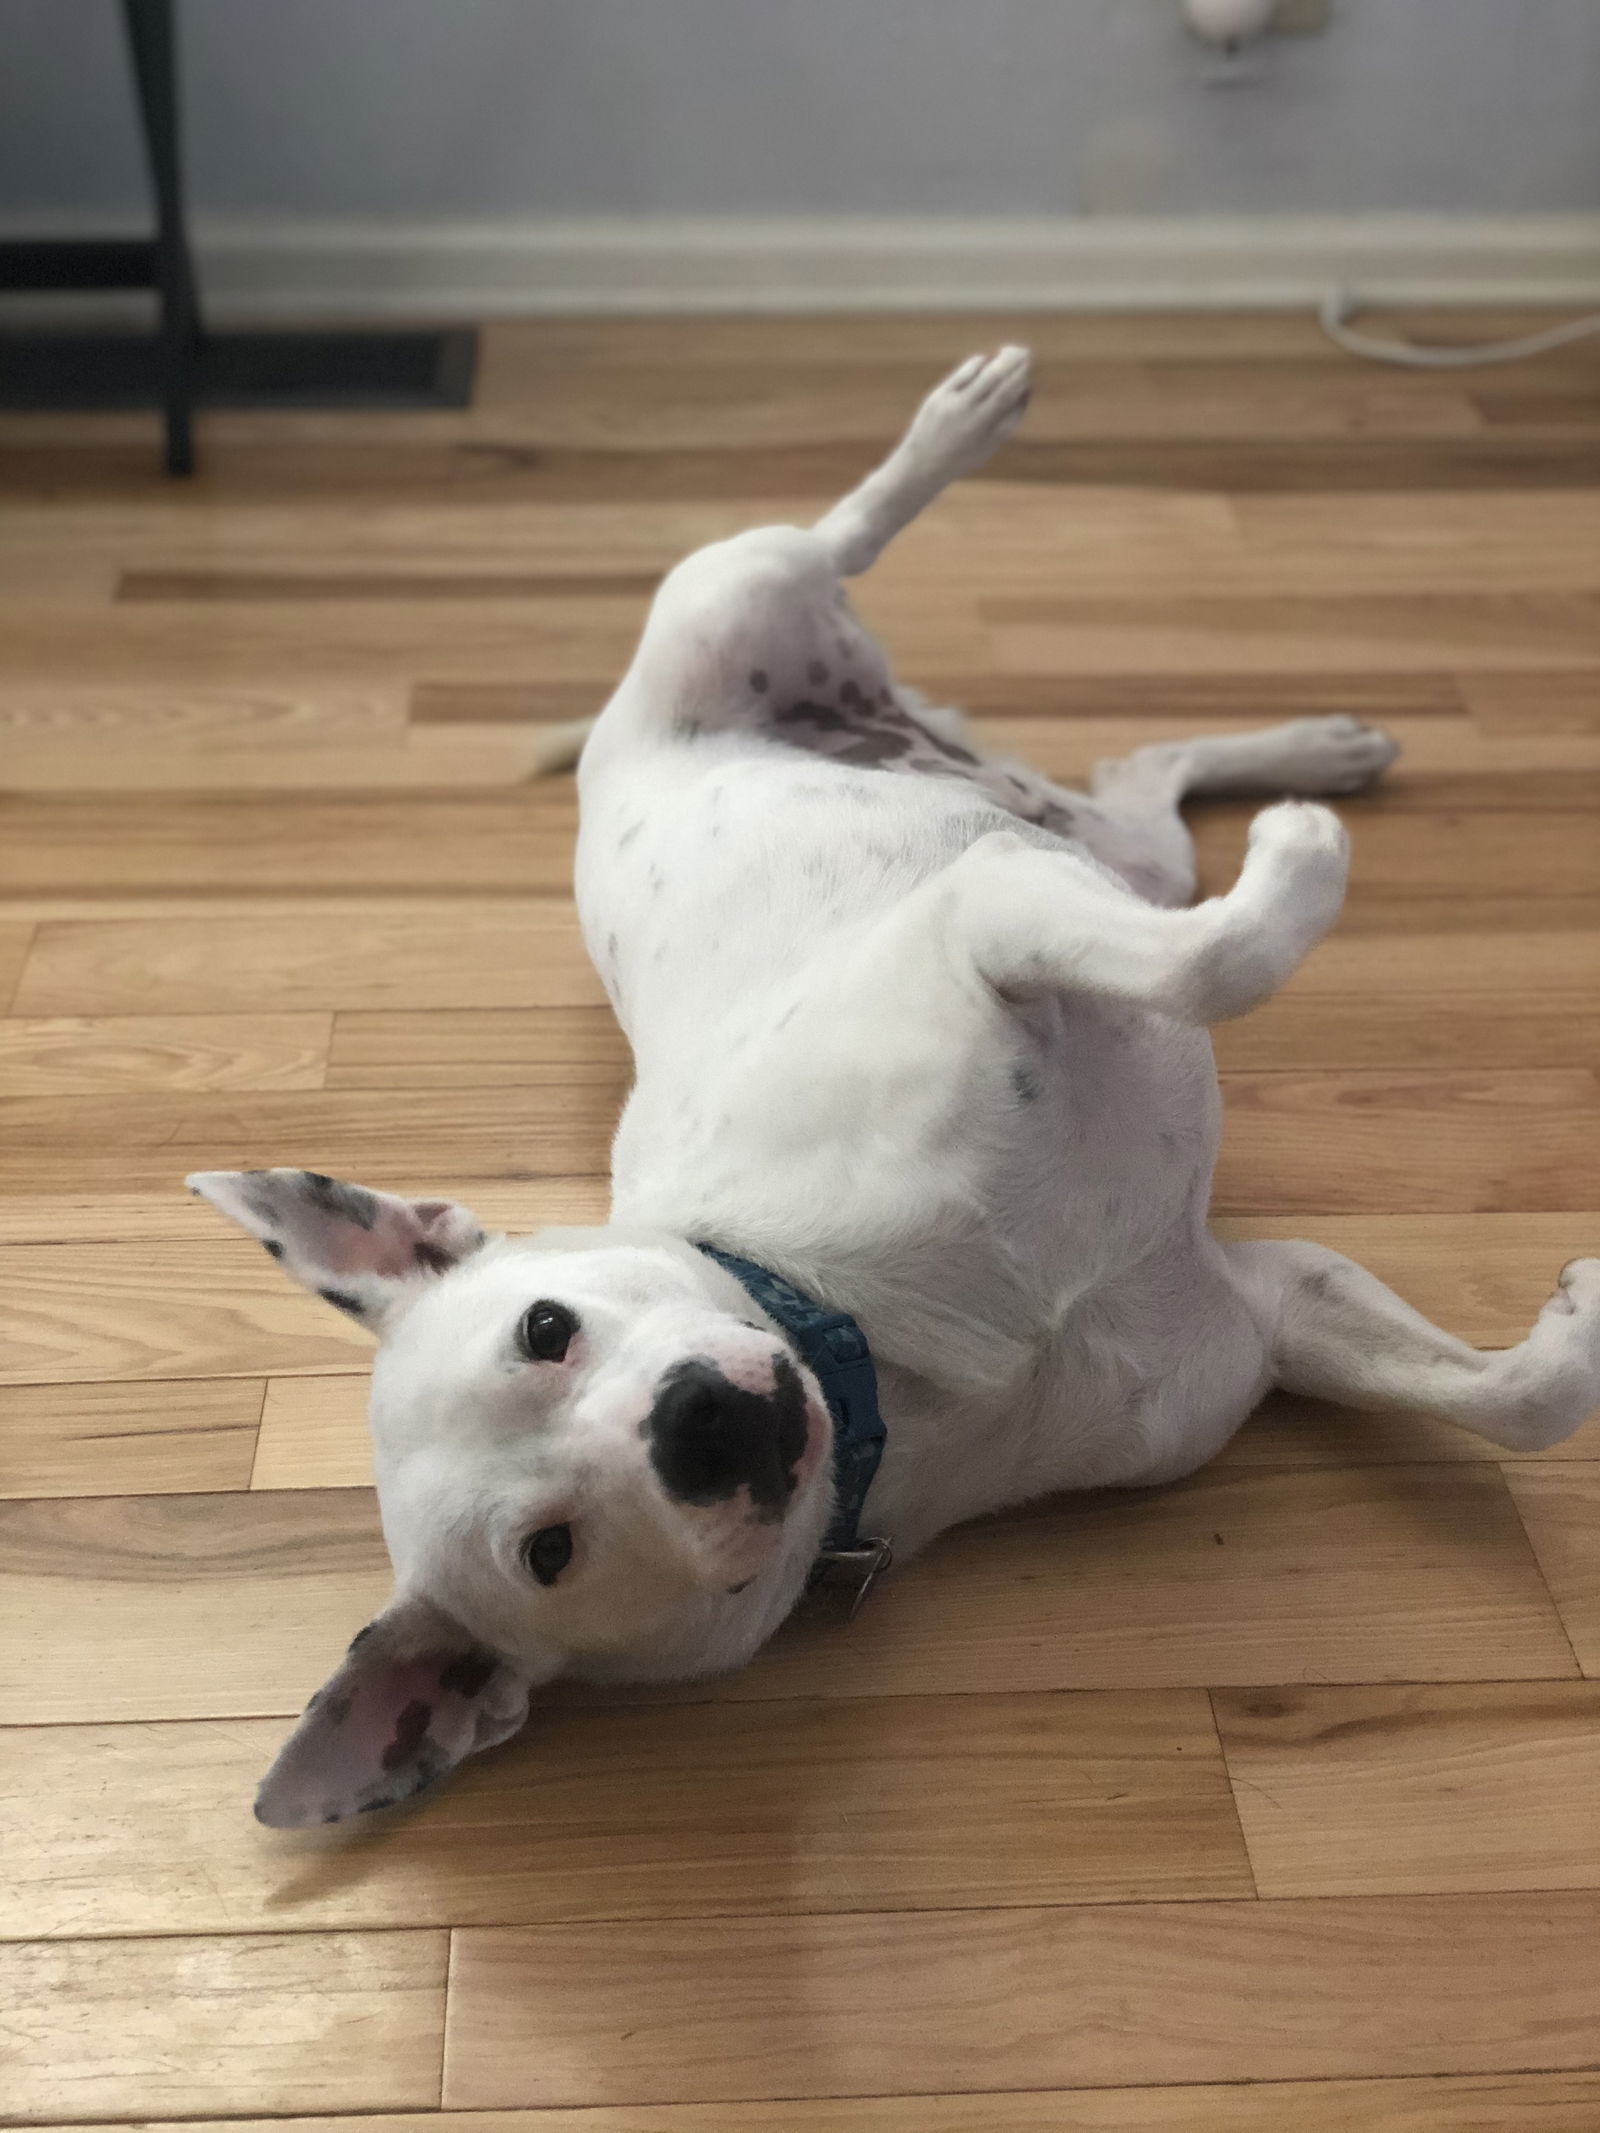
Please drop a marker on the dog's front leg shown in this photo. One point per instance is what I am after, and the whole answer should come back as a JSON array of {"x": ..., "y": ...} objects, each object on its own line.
[{"x": 1036, "y": 921}]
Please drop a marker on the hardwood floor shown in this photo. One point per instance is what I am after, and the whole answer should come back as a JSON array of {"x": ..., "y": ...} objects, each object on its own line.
[{"x": 1261, "y": 1804}]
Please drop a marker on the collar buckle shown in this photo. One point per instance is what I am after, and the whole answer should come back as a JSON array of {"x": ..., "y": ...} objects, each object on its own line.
[{"x": 860, "y": 1565}]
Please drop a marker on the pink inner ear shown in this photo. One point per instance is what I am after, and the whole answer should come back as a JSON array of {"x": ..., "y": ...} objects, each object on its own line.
[
  {"x": 389, "y": 1247},
  {"x": 377, "y": 1733}
]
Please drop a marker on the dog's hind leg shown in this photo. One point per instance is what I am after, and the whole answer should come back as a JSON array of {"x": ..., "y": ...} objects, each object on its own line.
[
  {"x": 954, "y": 431},
  {"x": 1036, "y": 920},
  {"x": 1340, "y": 1335},
  {"x": 1135, "y": 825}
]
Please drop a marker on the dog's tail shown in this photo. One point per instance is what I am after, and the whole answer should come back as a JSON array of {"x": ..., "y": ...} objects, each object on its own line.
[{"x": 559, "y": 747}]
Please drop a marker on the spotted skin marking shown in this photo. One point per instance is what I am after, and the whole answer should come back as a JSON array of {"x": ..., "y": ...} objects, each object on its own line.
[
  {"x": 816, "y": 673},
  {"x": 271, "y": 1246},
  {"x": 410, "y": 1730},
  {"x": 342, "y": 1300},
  {"x": 759, "y": 680},
  {"x": 469, "y": 1674},
  {"x": 350, "y": 1203}
]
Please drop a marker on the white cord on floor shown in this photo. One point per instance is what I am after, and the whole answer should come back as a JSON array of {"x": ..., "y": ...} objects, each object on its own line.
[{"x": 1337, "y": 306}]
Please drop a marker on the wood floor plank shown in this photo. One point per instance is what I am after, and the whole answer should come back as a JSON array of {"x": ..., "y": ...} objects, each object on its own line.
[
  {"x": 1358, "y": 1141},
  {"x": 314, "y": 1434},
  {"x": 475, "y": 954},
  {"x": 1237, "y": 1577},
  {"x": 297, "y": 587},
  {"x": 1440, "y": 2103},
  {"x": 142, "y": 1141},
  {"x": 1560, "y": 1507},
  {"x": 148, "y": 1607},
  {"x": 142, "y": 1217},
  {"x": 264, "y": 713},
  {"x": 86, "y": 1055},
  {"x": 111, "y": 1440},
  {"x": 1166, "y": 1992},
  {"x": 1416, "y": 1791},
  {"x": 1534, "y": 704},
  {"x": 1418, "y": 853},
  {"x": 458, "y": 1049},
  {"x": 124, "y": 844},
  {"x": 282, "y": 2022},
  {"x": 199, "y": 1307},
  {"x": 1527, "y": 631},
  {"x": 15, "y": 942},
  {"x": 928, "y": 1803},
  {"x": 1449, "y": 1031}
]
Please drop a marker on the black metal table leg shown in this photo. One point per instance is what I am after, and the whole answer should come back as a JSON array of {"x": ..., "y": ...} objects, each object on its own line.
[
  {"x": 183, "y": 365},
  {"x": 153, "y": 49}
]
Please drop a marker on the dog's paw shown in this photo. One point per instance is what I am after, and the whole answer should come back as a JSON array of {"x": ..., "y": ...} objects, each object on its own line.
[
  {"x": 1331, "y": 755},
  {"x": 976, "y": 408}
]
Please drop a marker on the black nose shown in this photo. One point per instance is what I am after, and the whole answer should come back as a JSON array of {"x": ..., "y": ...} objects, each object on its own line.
[{"x": 709, "y": 1437}]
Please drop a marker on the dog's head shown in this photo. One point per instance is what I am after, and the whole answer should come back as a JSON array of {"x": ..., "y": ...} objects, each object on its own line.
[{"x": 593, "y": 1455}]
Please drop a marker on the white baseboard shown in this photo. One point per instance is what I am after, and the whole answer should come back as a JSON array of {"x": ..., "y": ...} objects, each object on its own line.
[{"x": 282, "y": 267}]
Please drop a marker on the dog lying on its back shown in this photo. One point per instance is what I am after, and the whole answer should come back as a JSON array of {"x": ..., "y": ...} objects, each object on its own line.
[{"x": 920, "y": 1032}]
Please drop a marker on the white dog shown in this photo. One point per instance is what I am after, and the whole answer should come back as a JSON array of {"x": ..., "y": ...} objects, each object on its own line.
[{"x": 917, "y": 1031}]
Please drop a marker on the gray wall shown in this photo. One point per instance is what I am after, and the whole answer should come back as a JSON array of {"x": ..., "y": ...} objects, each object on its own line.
[{"x": 466, "y": 108}]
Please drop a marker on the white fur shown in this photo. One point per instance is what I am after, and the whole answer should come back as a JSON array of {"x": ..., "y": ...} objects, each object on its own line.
[{"x": 928, "y": 1037}]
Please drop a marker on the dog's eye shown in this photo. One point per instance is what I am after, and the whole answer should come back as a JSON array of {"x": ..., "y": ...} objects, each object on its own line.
[
  {"x": 546, "y": 1332},
  {"x": 548, "y": 1552}
]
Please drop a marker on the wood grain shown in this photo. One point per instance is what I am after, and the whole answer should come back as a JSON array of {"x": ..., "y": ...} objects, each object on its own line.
[
  {"x": 92, "y": 1217},
  {"x": 80, "y": 1314},
  {"x": 126, "y": 844},
  {"x": 314, "y": 1434},
  {"x": 929, "y": 1802},
  {"x": 1439, "y": 1030},
  {"x": 469, "y": 954},
  {"x": 1354, "y": 1141},
  {"x": 190, "y": 1606},
  {"x": 1176, "y": 1992},
  {"x": 1412, "y": 1791},
  {"x": 1376, "y": 1574},
  {"x": 1443, "y": 2103},
  {"x": 86, "y": 1055},
  {"x": 461, "y": 1049},
  {"x": 1560, "y": 1507},
  {"x": 108, "y": 1440},
  {"x": 15, "y": 942},
  {"x": 284, "y": 2022},
  {"x": 141, "y": 1142}
]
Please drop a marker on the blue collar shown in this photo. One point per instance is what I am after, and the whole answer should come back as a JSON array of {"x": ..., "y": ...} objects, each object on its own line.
[{"x": 834, "y": 1348}]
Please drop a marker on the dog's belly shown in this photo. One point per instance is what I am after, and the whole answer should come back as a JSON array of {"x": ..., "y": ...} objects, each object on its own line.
[{"x": 804, "y": 1073}]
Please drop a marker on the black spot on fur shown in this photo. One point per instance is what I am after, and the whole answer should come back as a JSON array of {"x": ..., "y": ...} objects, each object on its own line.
[
  {"x": 350, "y": 1203},
  {"x": 816, "y": 673},
  {"x": 850, "y": 693},
  {"x": 410, "y": 1731},
  {"x": 342, "y": 1300},
  {"x": 432, "y": 1258},
  {"x": 333, "y": 1710},
  {"x": 271, "y": 1244},
  {"x": 468, "y": 1674},
  {"x": 758, "y": 680},
  {"x": 1025, "y": 1083},
  {"x": 709, "y": 1437}
]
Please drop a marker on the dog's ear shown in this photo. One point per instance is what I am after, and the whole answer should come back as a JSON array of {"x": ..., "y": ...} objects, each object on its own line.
[
  {"x": 360, "y": 1250},
  {"x": 415, "y": 1695}
]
